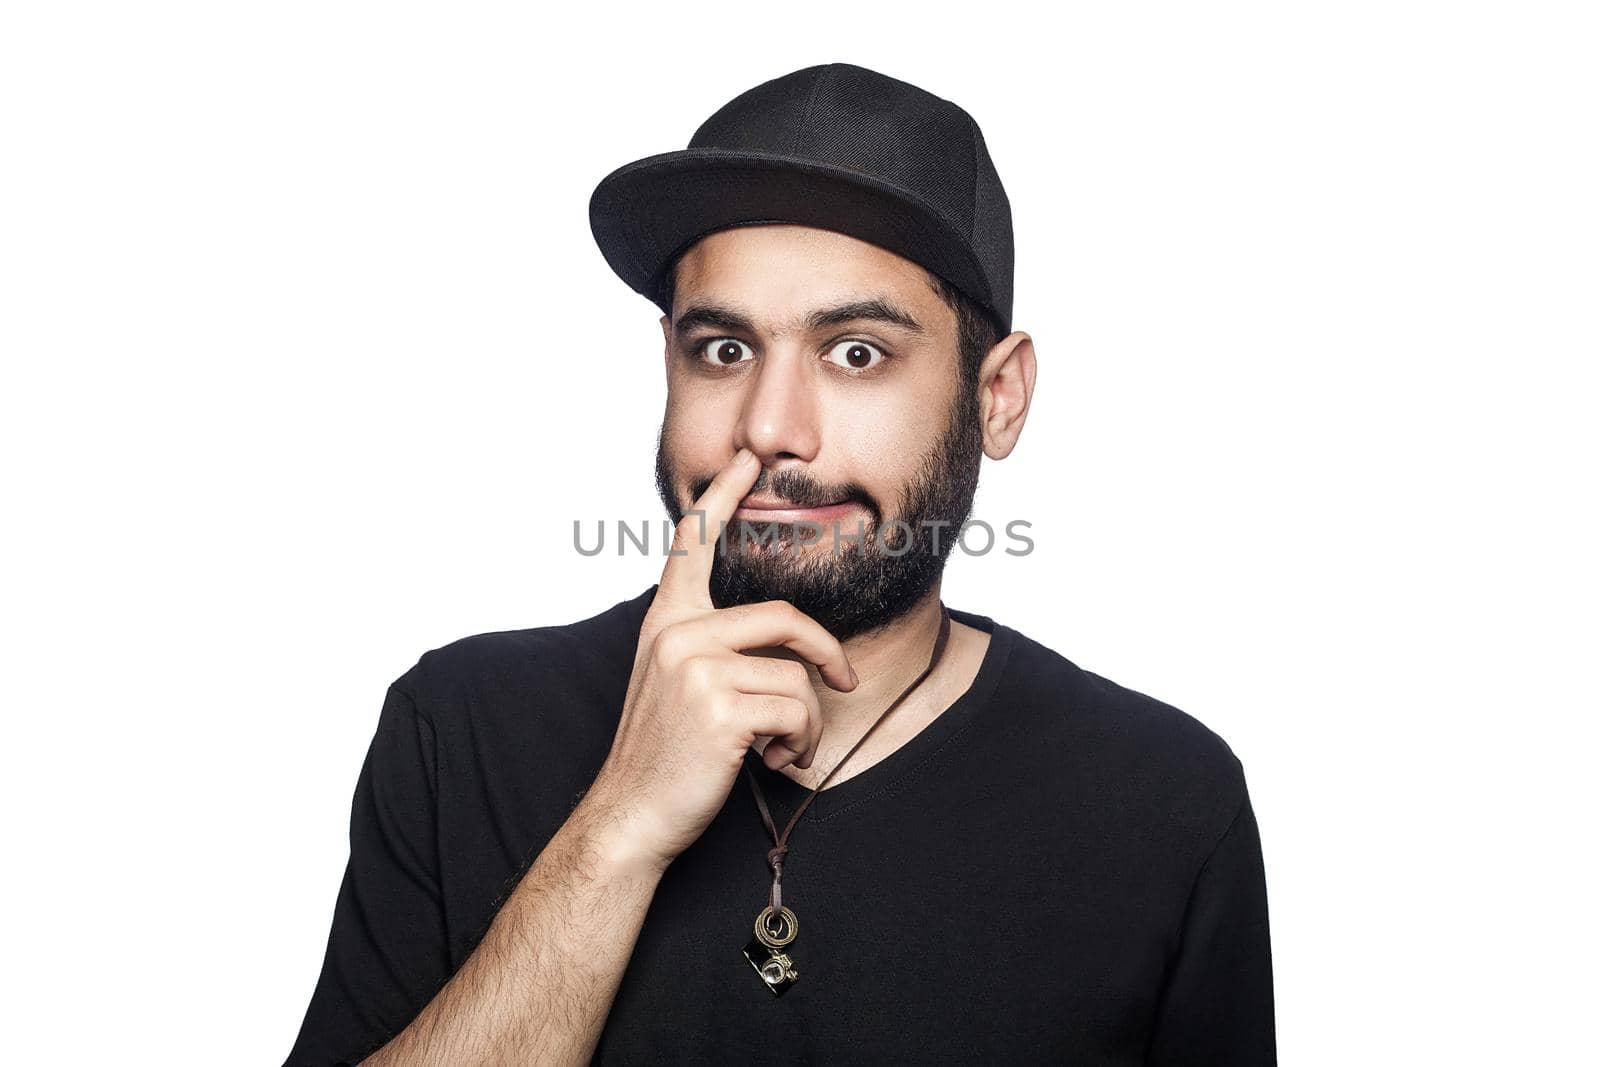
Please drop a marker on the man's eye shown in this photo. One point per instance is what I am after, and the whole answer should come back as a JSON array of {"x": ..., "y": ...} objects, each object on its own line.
[
  {"x": 723, "y": 351},
  {"x": 856, "y": 355}
]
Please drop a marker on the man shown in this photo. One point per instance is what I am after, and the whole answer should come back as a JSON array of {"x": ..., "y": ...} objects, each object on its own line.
[{"x": 552, "y": 857}]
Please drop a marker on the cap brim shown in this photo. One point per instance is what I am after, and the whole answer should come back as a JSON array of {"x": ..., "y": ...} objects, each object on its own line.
[{"x": 646, "y": 213}]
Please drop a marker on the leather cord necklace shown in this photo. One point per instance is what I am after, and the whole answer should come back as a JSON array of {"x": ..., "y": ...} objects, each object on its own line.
[{"x": 777, "y": 926}]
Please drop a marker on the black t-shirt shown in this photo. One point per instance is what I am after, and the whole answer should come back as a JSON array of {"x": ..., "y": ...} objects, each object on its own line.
[{"x": 1057, "y": 869}]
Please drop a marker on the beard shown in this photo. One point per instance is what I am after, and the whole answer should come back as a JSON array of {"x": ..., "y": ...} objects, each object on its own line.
[{"x": 849, "y": 587}]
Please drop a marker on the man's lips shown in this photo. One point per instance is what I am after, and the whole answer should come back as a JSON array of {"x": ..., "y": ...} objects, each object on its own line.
[{"x": 756, "y": 509}]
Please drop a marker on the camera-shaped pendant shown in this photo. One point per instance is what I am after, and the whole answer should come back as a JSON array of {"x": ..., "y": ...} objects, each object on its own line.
[{"x": 776, "y": 969}]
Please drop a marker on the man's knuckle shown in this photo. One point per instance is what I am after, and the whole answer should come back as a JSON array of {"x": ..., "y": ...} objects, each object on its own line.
[
  {"x": 671, "y": 646},
  {"x": 698, "y": 673}
]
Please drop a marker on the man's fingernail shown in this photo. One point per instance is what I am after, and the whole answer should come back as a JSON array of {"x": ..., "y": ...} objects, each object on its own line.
[{"x": 744, "y": 456}]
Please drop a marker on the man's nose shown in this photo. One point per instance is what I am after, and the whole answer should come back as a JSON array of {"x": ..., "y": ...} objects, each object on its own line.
[{"x": 779, "y": 416}]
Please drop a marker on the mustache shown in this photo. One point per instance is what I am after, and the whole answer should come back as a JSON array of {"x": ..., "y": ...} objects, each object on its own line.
[{"x": 799, "y": 490}]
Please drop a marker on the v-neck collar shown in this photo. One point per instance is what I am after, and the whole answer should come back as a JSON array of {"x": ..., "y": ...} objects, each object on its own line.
[{"x": 784, "y": 792}]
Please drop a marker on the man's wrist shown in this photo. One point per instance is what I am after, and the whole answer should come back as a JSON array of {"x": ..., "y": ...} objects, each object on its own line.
[{"x": 615, "y": 842}]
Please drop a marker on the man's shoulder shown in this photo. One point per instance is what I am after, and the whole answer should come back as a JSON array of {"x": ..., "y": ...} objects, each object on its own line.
[
  {"x": 495, "y": 665},
  {"x": 1126, "y": 732}
]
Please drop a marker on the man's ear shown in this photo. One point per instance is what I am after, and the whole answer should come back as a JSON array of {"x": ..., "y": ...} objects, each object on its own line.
[
  {"x": 666, "y": 346},
  {"x": 1005, "y": 389}
]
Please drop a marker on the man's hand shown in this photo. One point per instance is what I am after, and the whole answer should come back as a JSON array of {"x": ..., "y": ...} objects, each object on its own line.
[{"x": 695, "y": 704}]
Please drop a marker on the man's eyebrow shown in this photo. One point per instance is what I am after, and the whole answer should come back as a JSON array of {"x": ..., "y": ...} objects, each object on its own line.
[
  {"x": 873, "y": 309},
  {"x": 712, "y": 315}
]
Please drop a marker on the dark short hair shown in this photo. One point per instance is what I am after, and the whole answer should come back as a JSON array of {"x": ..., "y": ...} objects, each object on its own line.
[{"x": 976, "y": 331}]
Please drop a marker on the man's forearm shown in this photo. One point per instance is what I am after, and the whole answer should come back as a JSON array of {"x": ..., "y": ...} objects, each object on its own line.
[{"x": 540, "y": 984}]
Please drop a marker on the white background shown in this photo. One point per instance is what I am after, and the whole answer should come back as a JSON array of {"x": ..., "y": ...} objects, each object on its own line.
[{"x": 311, "y": 361}]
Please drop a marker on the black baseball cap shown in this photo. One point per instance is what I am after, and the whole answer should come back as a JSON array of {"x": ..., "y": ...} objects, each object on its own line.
[{"x": 834, "y": 146}]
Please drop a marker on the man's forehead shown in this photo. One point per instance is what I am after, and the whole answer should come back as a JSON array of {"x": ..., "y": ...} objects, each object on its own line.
[{"x": 782, "y": 275}]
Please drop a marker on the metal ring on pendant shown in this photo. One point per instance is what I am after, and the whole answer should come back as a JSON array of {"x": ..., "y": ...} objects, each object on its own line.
[{"x": 778, "y": 940}]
